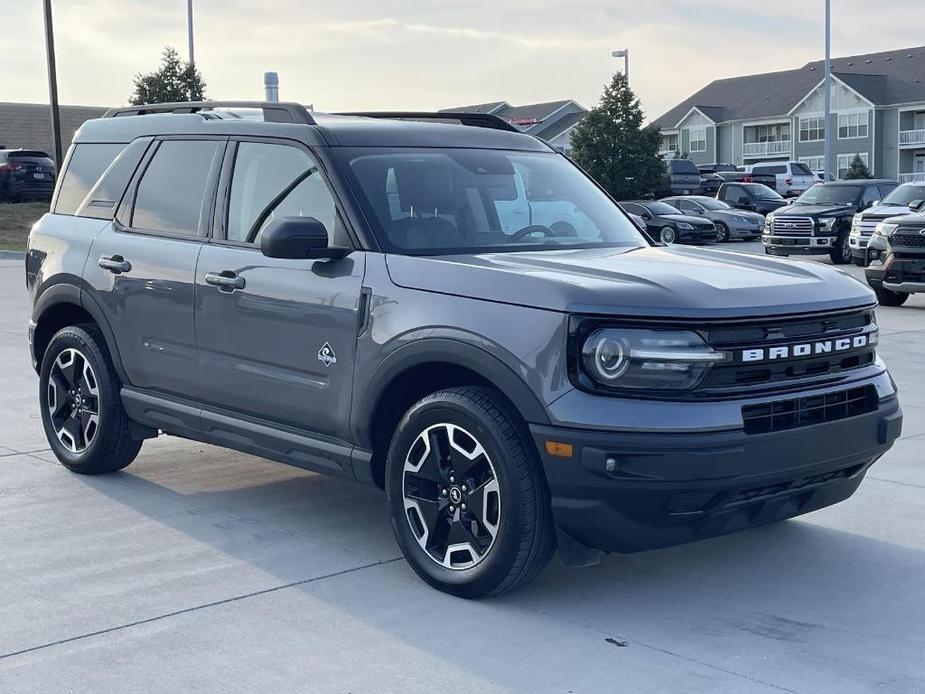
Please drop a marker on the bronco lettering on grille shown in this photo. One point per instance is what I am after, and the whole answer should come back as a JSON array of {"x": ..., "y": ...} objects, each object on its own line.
[{"x": 806, "y": 349}]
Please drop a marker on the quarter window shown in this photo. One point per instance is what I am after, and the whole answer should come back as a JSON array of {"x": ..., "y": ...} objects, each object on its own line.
[
  {"x": 88, "y": 162},
  {"x": 271, "y": 181},
  {"x": 812, "y": 129},
  {"x": 852, "y": 125},
  {"x": 171, "y": 195}
]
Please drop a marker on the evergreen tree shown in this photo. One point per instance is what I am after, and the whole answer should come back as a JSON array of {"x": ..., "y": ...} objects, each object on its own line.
[
  {"x": 613, "y": 147},
  {"x": 175, "y": 80},
  {"x": 857, "y": 169}
]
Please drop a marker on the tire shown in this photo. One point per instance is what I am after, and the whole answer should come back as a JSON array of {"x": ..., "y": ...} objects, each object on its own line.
[
  {"x": 667, "y": 235},
  {"x": 841, "y": 251},
  {"x": 722, "y": 233},
  {"x": 888, "y": 298},
  {"x": 82, "y": 445},
  {"x": 860, "y": 262},
  {"x": 513, "y": 538}
]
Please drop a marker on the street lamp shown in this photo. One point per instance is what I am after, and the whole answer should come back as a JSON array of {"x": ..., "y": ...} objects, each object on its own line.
[
  {"x": 189, "y": 29},
  {"x": 52, "y": 83},
  {"x": 625, "y": 54},
  {"x": 828, "y": 89}
]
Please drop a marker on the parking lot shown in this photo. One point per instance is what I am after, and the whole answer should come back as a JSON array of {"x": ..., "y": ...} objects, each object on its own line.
[{"x": 199, "y": 567}]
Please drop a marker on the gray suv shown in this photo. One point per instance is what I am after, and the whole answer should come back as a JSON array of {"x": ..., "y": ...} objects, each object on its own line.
[{"x": 451, "y": 310}]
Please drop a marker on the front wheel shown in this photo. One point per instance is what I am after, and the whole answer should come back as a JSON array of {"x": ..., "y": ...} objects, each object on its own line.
[
  {"x": 468, "y": 500},
  {"x": 841, "y": 250},
  {"x": 667, "y": 235},
  {"x": 722, "y": 233},
  {"x": 888, "y": 298}
]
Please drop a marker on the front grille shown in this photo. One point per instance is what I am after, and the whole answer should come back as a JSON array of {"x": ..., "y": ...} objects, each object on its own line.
[
  {"x": 782, "y": 415},
  {"x": 769, "y": 491},
  {"x": 789, "y": 225},
  {"x": 868, "y": 225},
  {"x": 740, "y": 374},
  {"x": 907, "y": 240}
]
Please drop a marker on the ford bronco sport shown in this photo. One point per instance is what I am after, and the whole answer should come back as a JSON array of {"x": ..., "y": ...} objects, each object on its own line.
[{"x": 450, "y": 310}]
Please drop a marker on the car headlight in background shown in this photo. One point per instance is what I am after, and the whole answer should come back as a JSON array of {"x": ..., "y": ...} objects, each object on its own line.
[
  {"x": 742, "y": 220},
  {"x": 827, "y": 223},
  {"x": 636, "y": 359},
  {"x": 885, "y": 229},
  {"x": 856, "y": 225},
  {"x": 685, "y": 225}
]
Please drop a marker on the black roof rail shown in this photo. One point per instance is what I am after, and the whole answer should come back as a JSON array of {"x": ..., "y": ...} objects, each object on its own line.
[
  {"x": 273, "y": 111},
  {"x": 475, "y": 120}
]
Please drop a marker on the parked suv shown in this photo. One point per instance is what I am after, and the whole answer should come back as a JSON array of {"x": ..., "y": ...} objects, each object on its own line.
[
  {"x": 25, "y": 174},
  {"x": 340, "y": 293},
  {"x": 904, "y": 199},
  {"x": 897, "y": 266},
  {"x": 819, "y": 221},
  {"x": 683, "y": 178},
  {"x": 752, "y": 197},
  {"x": 789, "y": 178}
]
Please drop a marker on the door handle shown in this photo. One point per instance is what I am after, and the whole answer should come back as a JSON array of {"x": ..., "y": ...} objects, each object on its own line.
[
  {"x": 116, "y": 264},
  {"x": 226, "y": 280}
]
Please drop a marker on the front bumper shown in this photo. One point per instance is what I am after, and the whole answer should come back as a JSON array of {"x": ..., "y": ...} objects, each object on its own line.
[
  {"x": 905, "y": 275},
  {"x": 798, "y": 245},
  {"x": 745, "y": 231},
  {"x": 663, "y": 488},
  {"x": 696, "y": 235}
]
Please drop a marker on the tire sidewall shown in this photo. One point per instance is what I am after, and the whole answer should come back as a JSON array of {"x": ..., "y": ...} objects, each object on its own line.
[
  {"x": 666, "y": 233},
  {"x": 722, "y": 232},
  {"x": 76, "y": 338},
  {"x": 482, "y": 577}
]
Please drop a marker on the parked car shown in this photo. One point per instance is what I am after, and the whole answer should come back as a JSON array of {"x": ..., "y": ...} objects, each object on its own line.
[
  {"x": 819, "y": 221},
  {"x": 789, "y": 178},
  {"x": 752, "y": 197},
  {"x": 669, "y": 225},
  {"x": 730, "y": 223},
  {"x": 710, "y": 183},
  {"x": 897, "y": 266},
  {"x": 26, "y": 174},
  {"x": 337, "y": 293},
  {"x": 682, "y": 178},
  {"x": 904, "y": 199}
]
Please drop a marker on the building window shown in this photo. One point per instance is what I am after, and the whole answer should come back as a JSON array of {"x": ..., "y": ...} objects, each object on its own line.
[
  {"x": 812, "y": 129},
  {"x": 670, "y": 143},
  {"x": 852, "y": 125},
  {"x": 698, "y": 139},
  {"x": 844, "y": 161},
  {"x": 814, "y": 163}
]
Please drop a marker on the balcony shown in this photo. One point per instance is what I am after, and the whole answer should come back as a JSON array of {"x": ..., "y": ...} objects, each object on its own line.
[
  {"x": 911, "y": 137},
  {"x": 765, "y": 149},
  {"x": 912, "y": 177}
]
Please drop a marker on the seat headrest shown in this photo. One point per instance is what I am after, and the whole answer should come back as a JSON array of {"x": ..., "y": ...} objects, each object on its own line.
[{"x": 425, "y": 185}]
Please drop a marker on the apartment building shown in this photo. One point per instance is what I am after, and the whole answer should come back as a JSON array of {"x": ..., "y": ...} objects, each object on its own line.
[{"x": 877, "y": 112}]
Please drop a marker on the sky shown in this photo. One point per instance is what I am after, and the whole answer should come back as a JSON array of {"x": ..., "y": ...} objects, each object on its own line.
[{"x": 422, "y": 55}]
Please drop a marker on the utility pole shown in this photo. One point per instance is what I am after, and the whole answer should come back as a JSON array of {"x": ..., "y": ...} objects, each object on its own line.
[
  {"x": 52, "y": 83},
  {"x": 189, "y": 25},
  {"x": 828, "y": 87},
  {"x": 625, "y": 54}
]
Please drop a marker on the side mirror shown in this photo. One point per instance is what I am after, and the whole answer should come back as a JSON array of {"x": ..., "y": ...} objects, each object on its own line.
[
  {"x": 916, "y": 205},
  {"x": 298, "y": 238}
]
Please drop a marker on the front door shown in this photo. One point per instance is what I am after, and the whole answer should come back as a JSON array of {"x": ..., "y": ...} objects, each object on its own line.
[{"x": 280, "y": 345}]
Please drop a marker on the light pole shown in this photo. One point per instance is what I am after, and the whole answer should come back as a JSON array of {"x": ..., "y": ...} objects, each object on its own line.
[
  {"x": 52, "y": 83},
  {"x": 189, "y": 25},
  {"x": 625, "y": 54},
  {"x": 828, "y": 88}
]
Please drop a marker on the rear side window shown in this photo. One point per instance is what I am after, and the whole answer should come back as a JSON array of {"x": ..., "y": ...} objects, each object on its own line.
[
  {"x": 171, "y": 194},
  {"x": 759, "y": 170},
  {"x": 683, "y": 166},
  {"x": 800, "y": 169},
  {"x": 88, "y": 162}
]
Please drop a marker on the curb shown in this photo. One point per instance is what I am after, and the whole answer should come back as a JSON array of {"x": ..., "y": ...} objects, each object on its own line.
[{"x": 12, "y": 255}]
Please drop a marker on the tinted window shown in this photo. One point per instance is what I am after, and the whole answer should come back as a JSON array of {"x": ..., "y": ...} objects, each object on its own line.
[
  {"x": 733, "y": 193},
  {"x": 661, "y": 208},
  {"x": 102, "y": 199},
  {"x": 633, "y": 208},
  {"x": 800, "y": 169},
  {"x": 828, "y": 194},
  {"x": 263, "y": 173},
  {"x": 171, "y": 194},
  {"x": 88, "y": 161},
  {"x": 767, "y": 170},
  {"x": 759, "y": 190},
  {"x": 682, "y": 166}
]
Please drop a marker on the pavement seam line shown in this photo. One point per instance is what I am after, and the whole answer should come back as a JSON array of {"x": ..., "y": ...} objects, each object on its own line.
[
  {"x": 29, "y": 453},
  {"x": 903, "y": 484},
  {"x": 196, "y": 608},
  {"x": 656, "y": 649}
]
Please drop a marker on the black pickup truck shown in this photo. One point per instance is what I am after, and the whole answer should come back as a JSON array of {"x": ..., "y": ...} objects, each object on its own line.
[{"x": 819, "y": 221}]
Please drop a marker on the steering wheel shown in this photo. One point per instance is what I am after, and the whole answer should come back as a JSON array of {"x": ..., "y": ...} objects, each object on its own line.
[{"x": 531, "y": 229}]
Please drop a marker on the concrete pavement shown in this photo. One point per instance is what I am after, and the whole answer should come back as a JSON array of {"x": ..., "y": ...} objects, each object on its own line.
[{"x": 200, "y": 569}]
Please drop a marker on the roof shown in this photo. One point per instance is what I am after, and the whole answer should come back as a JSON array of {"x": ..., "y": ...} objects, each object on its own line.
[
  {"x": 527, "y": 117},
  {"x": 331, "y": 130},
  {"x": 490, "y": 107},
  {"x": 560, "y": 126},
  {"x": 890, "y": 77}
]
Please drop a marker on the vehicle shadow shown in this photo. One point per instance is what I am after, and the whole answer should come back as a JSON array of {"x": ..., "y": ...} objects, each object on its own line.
[{"x": 793, "y": 590}]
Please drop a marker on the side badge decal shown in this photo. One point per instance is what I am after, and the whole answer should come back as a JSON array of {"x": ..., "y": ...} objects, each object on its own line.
[{"x": 326, "y": 355}]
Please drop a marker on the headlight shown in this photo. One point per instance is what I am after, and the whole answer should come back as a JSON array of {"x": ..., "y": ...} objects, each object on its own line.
[
  {"x": 827, "y": 224},
  {"x": 685, "y": 225},
  {"x": 856, "y": 225},
  {"x": 741, "y": 220},
  {"x": 648, "y": 359},
  {"x": 885, "y": 229}
]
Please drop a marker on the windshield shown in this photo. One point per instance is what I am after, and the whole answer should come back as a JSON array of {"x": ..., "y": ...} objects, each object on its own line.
[
  {"x": 683, "y": 166},
  {"x": 761, "y": 191},
  {"x": 430, "y": 201},
  {"x": 712, "y": 204},
  {"x": 905, "y": 194},
  {"x": 821, "y": 194}
]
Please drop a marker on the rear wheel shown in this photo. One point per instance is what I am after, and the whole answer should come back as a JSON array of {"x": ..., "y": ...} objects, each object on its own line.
[
  {"x": 81, "y": 408},
  {"x": 468, "y": 501},
  {"x": 667, "y": 235},
  {"x": 722, "y": 233},
  {"x": 888, "y": 298},
  {"x": 841, "y": 250}
]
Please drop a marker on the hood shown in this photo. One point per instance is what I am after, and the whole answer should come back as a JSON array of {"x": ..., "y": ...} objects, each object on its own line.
[
  {"x": 887, "y": 211},
  {"x": 655, "y": 281},
  {"x": 817, "y": 210},
  {"x": 680, "y": 218},
  {"x": 769, "y": 204}
]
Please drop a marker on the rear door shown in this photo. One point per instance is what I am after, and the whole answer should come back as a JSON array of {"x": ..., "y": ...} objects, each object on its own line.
[
  {"x": 280, "y": 345},
  {"x": 142, "y": 266}
]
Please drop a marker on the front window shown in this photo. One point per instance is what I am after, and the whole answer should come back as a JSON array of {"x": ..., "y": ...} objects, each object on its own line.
[
  {"x": 432, "y": 201},
  {"x": 762, "y": 192},
  {"x": 821, "y": 194},
  {"x": 905, "y": 194}
]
